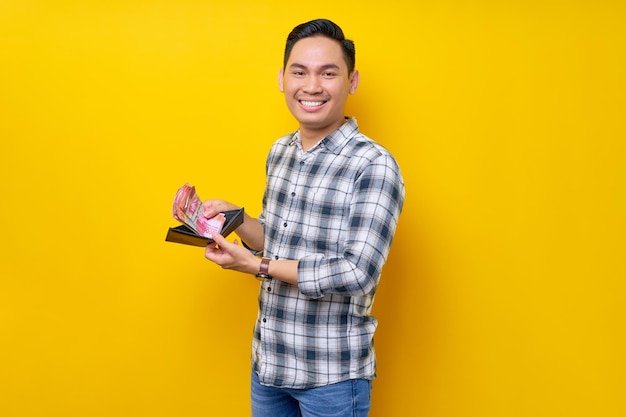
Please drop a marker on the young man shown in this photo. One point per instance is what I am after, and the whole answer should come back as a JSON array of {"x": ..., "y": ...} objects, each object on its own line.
[{"x": 330, "y": 209}]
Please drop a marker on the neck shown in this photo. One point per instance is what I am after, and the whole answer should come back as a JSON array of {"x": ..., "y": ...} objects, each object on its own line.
[
  {"x": 309, "y": 139},
  {"x": 310, "y": 136}
]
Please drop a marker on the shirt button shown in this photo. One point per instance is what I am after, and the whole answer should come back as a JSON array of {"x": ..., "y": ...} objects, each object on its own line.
[
  {"x": 285, "y": 224},
  {"x": 293, "y": 194},
  {"x": 301, "y": 163},
  {"x": 269, "y": 289},
  {"x": 276, "y": 257},
  {"x": 264, "y": 320}
]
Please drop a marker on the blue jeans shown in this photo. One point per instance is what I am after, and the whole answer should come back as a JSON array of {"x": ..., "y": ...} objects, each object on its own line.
[{"x": 345, "y": 399}]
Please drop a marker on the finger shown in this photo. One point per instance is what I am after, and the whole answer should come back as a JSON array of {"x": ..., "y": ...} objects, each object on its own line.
[
  {"x": 211, "y": 254},
  {"x": 212, "y": 249},
  {"x": 219, "y": 239},
  {"x": 209, "y": 211}
]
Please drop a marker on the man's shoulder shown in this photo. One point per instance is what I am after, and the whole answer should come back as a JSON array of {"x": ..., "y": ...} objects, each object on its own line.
[
  {"x": 281, "y": 147},
  {"x": 286, "y": 140},
  {"x": 361, "y": 144},
  {"x": 352, "y": 141}
]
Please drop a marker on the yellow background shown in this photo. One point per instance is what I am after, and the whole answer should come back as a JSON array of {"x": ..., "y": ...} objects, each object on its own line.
[{"x": 503, "y": 294}]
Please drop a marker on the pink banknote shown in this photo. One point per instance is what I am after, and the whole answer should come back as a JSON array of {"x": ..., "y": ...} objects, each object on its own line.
[{"x": 188, "y": 209}]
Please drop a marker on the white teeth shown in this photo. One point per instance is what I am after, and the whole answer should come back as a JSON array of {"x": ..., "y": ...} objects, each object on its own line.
[{"x": 311, "y": 103}]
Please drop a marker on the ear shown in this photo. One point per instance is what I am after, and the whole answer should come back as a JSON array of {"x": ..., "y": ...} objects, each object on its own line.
[
  {"x": 281, "y": 75},
  {"x": 354, "y": 81}
]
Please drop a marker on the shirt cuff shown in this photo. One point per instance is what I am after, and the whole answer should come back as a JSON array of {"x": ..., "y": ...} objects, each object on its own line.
[
  {"x": 254, "y": 252},
  {"x": 308, "y": 276}
]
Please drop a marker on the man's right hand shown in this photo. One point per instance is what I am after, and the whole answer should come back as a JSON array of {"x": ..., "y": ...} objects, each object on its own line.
[{"x": 214, "y": 207}]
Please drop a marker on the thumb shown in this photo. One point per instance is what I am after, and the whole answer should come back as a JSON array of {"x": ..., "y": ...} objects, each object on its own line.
[{"x": 208, "y": 212}]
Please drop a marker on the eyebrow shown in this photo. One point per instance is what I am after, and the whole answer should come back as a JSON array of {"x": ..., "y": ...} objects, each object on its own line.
[{"x": 323, "y": 67}]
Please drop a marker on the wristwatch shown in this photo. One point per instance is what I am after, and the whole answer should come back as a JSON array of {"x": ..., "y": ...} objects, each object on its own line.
[{"x": 264, "y": 269}]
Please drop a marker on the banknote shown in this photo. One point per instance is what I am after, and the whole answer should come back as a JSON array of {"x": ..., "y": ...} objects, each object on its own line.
[{"x": 187, "y": 208}]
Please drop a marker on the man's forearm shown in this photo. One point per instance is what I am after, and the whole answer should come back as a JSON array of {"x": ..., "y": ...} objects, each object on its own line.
[
  {"x": 251, "y": 232},
  {"x": 284, "y": 270}
]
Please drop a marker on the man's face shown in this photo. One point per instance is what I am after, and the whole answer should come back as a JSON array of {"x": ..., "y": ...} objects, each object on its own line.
[{"x": 316, "y": 84}]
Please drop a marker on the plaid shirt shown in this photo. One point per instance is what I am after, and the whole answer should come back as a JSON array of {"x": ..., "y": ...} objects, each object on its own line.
[{"x": 334, "y": 208}]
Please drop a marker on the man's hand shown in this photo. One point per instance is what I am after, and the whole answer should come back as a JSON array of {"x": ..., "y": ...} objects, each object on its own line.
[
  {"x": 213, "y": 207},
  {"x": 231, "y": 255},
  {"x": 251, "y": 231}
]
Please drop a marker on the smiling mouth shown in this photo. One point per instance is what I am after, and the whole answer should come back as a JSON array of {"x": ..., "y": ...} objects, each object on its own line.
[{"x": 307, "y": 103}]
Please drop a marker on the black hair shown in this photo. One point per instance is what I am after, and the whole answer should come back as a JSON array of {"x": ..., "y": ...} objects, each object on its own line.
[{"x": 326, "y": 28}]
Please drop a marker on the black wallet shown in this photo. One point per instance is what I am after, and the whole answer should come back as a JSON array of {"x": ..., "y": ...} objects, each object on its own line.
[{"x": 183, "y": 234}]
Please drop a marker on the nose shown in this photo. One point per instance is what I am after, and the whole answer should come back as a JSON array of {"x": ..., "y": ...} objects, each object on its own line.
[{"x": 312, "y": 85}]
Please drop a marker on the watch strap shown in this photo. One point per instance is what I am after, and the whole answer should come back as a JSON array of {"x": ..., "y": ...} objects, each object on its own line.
[{"x": 264, "y": 268}]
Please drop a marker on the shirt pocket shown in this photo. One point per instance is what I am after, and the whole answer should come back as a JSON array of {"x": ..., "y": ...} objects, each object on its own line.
[{"x": 327, "y": 220}]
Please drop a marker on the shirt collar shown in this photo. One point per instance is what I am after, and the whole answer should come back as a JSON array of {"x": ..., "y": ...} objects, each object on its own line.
[{"x": 337, "y": 139}]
